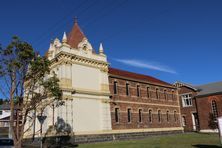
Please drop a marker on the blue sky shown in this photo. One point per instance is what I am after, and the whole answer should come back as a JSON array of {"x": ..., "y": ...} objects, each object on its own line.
[{"x": 170, "y": 40}]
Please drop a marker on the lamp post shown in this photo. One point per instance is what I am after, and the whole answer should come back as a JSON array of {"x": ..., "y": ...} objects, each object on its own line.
[{"x": 41, "y": 119}]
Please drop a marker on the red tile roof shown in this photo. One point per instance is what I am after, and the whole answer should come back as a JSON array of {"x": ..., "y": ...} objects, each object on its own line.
[
  {"x": 132, "y": 75},
  {"x": 75, "y": 36}
]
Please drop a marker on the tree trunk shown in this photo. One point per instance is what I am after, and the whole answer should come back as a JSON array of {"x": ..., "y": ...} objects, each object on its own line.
[{"x": 12, "y": 107}]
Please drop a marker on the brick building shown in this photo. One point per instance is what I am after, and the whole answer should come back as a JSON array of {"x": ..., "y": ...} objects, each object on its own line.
[
  {"x": 139, "y": 101},
  {"x": 198, "y": 104},
  {"x": 105, "y": 102}
]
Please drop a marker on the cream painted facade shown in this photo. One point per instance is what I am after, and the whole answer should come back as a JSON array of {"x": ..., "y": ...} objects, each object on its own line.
[
  {"x": 83, "y": 76},
  {"x": 84, "y": 80}
]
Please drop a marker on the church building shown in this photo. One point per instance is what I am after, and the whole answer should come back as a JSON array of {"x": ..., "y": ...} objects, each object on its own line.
[{"x": 104, "y": 103}]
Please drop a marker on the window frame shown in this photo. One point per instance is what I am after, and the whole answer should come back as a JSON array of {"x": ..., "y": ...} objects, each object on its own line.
[
  {"x": 117, "y": 118},
  {"x": 129, "y": 115},
  {"x": 115, "y": 87},
  {"x": 214, "y": 108},
  {"x": 127, "y": 89},
  {"x": 159, "y": 116},
  {"x": 150, "y": 116},
  {"x": 140, "y": 115},
  {"x": 138, "y": 90},
  {"x": 187, "y": 100},
  {"x": 148, "y": 91}
]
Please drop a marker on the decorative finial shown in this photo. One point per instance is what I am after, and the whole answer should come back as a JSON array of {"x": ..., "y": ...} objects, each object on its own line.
[
  {"x": 75, "y": 19},
  {"x": 64, "y": 38},
  {"x": 101, "y": 48}
]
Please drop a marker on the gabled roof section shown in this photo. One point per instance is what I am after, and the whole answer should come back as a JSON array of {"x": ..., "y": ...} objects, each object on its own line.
[
  {"x": 211, "y": 88},
  {"x": 181, "y": 84},
  {"x": 126, "y": 74},
  {"x": 75, "y": 36}
]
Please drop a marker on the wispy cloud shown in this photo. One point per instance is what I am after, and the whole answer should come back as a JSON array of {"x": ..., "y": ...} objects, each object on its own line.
[{"x": 147, "y": 65}]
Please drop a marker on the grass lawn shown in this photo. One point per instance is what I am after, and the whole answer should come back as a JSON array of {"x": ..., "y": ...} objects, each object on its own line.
[{"x": 187, "y": 140}]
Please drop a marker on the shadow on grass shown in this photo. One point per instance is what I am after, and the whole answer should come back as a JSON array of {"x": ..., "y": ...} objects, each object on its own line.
[{"x": 206, "y": 146}]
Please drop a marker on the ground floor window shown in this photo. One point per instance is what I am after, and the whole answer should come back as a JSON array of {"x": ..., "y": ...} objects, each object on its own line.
[{"x": 183, "y": 121}]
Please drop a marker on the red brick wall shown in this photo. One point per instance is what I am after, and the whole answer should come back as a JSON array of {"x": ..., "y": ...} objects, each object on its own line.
[
  {"x": 123, "y": 102},
  {"x": 204, "y": 108},
  {"x": 187, "y": 111}
]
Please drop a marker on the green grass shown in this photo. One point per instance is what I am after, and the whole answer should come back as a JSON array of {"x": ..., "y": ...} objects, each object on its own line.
[{"x": 188, "y": 140}]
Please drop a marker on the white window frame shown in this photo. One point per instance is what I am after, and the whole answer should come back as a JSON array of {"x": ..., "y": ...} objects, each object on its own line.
[{"x": 186, "y": 100}]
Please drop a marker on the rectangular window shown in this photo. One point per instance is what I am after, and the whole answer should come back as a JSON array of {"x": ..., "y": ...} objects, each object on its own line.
[
  {"x": 129, "y": 114},
  {"x": 186, "y": 100},
  {"x": 140, "y": 115},
  {"x": 115, "y": 87},
  {"x": 0, "y": 112},
  {"x": 127, "y": 89},
  {"x": 138, "y": 91},
  {"x": 117, "y": 114}
]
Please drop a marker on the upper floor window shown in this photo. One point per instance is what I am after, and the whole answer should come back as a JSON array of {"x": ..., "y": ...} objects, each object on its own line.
[
  {"x": 127, "y": 89},
  {"x": 117, "y": 114},
  {"x": 115, "y": 87},
  {"x": 186, "y": 100},
  {"x": 157, "y": 93},
  {"x": 148, "y": 92},
  {"x": 140, "y": 115},
  {"x": 0, "y": 112},
  {"x": 165, "y": 94},
  {"x": 129, "y": 114},
  {"x": 214, "y": 109},
  {"x": 173, "y": 95},
  {"x": 138, "y": 90}
]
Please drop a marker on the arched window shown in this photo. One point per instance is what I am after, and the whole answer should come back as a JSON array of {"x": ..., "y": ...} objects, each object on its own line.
[
  {"x": 175, "y": 116},
  {"x": 183, "y": 121},
  {"x": 150, "y": 115},
  {"x": 117, "y": 114},
  {"x": 129, "y": 114},
  {"x": 148, "y": 92},
  {"x": 138, "y": 90},
  {"x": 165, "y": 94},
  {"x": 157, "y": 93},
  {"x": 159, "y": 116},
  {"x": 214, "y": 108},
  {"x": 167, "y": 116},
  {"x": 115, "y": 87},
  {"x": 127, "y": 89},
  {"x": 140, "y": 115},
  {"x": 173, "y": 95}
]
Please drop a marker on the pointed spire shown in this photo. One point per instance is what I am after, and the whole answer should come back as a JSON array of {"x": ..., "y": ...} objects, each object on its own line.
[
  {"x": 76, "y": 35},
  {"x": 101, "y": 48},
  {"x": 64, "y": 38}
]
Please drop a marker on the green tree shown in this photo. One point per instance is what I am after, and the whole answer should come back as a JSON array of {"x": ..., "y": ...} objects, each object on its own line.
[{"x": 27, "y": 83}]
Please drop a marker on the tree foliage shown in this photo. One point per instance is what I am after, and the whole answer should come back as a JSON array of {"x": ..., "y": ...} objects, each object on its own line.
[{"x": 26, "y": 81}]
